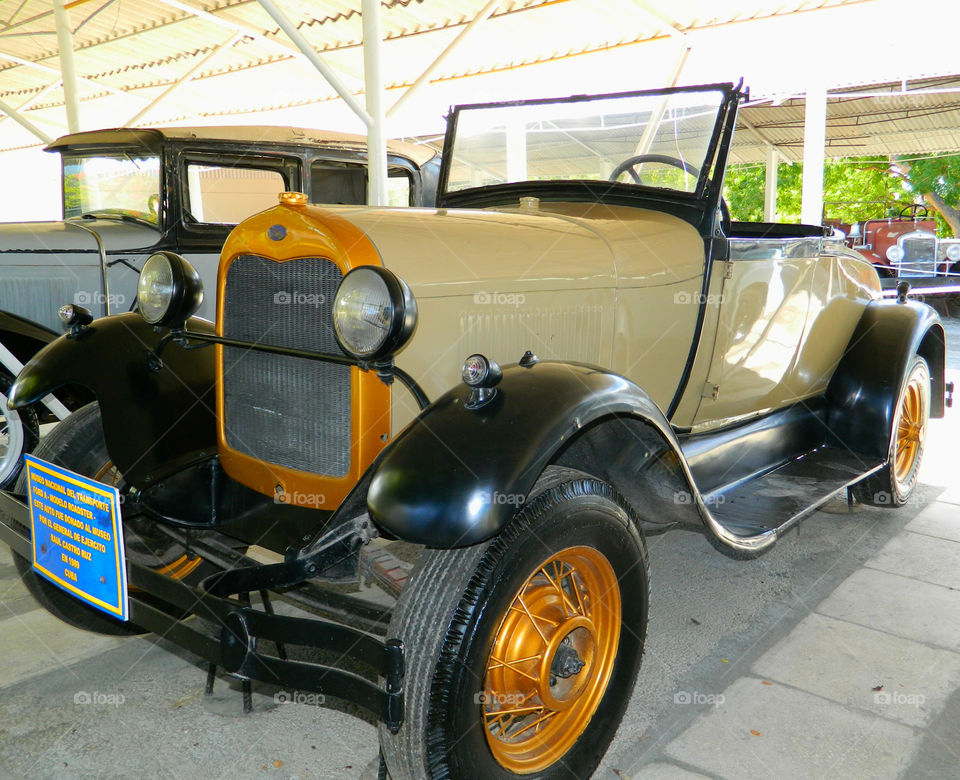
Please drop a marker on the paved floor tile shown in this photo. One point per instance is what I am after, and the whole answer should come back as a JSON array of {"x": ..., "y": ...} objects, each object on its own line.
[
  {"x": 845, "y": 662},
  {"x": 922, "y": 557},
  {"x": 36, "y": 642},
  {"x": 898, "y": 605},
  {"x": 664, "y": 771},
  {"x": 764, "y": 731},
  {"x": 940, "y": 519}
]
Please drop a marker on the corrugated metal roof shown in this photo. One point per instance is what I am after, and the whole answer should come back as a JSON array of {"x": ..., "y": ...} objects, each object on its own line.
[
  {"x": 884, "y": 120},
  {"x": 138, "y": 48},
  {"x": 128, "y": 52}
]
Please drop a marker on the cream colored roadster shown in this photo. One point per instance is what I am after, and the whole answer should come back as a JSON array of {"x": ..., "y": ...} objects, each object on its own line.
[{"x": 577, "y": 343}]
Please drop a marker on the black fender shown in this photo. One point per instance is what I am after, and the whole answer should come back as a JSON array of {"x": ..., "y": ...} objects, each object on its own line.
[
  {"x": 154, "y": 422},
  {"x": 862, "y": 394},
  {"x": 455, "y": 476}
]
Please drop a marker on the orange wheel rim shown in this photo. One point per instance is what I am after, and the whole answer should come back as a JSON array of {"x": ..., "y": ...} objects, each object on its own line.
[
  {"x": 911, "y": 431},
  {"x": 551, "y": 660}
]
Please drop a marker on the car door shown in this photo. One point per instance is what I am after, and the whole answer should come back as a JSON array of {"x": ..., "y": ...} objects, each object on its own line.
[
  {"x": 785, "y": 313},
  {"x": 763, "y": 309}
]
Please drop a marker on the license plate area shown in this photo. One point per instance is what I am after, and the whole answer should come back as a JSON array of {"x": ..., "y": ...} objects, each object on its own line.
[{"x": 77, "y": 535}]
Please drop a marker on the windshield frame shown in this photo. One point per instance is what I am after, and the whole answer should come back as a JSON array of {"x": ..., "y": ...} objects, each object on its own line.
[{"x": 690, "y": 204}]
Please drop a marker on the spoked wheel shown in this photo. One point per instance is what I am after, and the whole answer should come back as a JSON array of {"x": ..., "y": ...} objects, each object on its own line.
[
  {"x": 19, "y": 434},
  {"x": 551, "y": 660},
  {"x": 893, "y": 485},
  {"x": 522, "y": 652},
  {"x": 77, "y": 444}
]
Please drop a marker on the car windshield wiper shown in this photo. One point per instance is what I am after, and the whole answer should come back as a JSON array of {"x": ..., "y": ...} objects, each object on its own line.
[{"x": 118, "y": 216}]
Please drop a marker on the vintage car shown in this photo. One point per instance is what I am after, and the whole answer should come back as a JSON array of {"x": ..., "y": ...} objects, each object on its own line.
[
  {"x": 578, "y": 344},
  {"x": 128, "y": 193},
  {"x": 904, "y": 245}
]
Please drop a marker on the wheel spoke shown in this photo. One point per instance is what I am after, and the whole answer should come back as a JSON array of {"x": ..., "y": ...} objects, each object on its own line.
[
  {"x": 534, "y": 618},
  {"x": 558, "y": 586},
  {"x": 549, "y": 714},
  {"x": 576, "y": 592},
  {"x": 497, "y": 663}
]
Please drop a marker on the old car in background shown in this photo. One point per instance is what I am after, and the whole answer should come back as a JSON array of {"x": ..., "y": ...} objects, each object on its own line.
[
  {"x": 576, "y": 345},
  {"x": 901, "y": 244},
  {"x": 128, "y": 193}
]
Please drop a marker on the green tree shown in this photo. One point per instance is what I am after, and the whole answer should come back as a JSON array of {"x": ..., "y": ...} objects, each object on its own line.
[
  {"x": 937, "y": 181},
  {"x": 854, "y": 188}
]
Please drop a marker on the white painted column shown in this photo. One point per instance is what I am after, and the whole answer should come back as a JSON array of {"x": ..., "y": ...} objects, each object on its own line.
[
  {"x": 373, "y": 83},
  {"x": 517, "y": 150},
  {"x": 814, "y": 146},
  {"x": 67, "y": 68},
  {"x": 770, "y": 185}
]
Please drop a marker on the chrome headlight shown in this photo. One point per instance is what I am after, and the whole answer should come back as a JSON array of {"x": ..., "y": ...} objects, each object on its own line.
[
  {"x": 953, "y": 252},
  {"x": 895, "y": 253},
  {"x": 169, "y": 290},
  {"x": 374, "y": 313}
]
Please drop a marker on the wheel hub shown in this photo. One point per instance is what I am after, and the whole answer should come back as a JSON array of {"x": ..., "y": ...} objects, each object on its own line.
[{"x": 566, "y": 662}]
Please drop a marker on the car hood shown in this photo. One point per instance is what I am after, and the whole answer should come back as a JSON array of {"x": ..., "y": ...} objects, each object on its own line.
[
  {"x": 62, "y": 238},
  {"x": 440, "y": 253}
]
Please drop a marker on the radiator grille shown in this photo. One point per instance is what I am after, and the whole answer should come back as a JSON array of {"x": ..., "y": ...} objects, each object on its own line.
[
  {"x": 919, "y": 255},
  {"x": 290, "y": 411}
]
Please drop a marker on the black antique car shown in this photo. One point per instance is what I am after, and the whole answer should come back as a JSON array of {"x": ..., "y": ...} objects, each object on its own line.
[{"x": 128, "y": 193}]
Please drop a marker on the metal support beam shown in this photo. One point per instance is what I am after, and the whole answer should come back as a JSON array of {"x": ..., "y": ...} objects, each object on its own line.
[
  {"x": 770, "y": 185},
  {"x": 185, "y": 78},
  {"x": 373, "y": 81},
  {"x": 65, "y": 43},
  {"x": 646, "y": 140},
  {"x": 424, "y": 77},
  {"x": 34, "y": 98},
  {"x": 248, "y": 30},
  {"x": 814, "y": 146},
  {"x": 308, "y": 51},
  {"x": 25, "y": 123}
]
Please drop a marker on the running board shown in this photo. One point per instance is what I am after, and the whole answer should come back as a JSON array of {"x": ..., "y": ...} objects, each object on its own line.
[{"x": 777, "y": 499}]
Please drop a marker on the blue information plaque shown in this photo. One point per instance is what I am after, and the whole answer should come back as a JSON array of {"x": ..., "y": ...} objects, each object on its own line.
[{"x": 78, "y": 535}]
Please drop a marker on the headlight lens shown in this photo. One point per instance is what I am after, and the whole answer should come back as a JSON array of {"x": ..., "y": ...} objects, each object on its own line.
[
  {"x": 169, "y": 289},
  {"x": 953, "y": 252},
  {"x": 895, "y": 253},
  {"x": 374, "y": 313},
  {"x": 155, "y": 288}
]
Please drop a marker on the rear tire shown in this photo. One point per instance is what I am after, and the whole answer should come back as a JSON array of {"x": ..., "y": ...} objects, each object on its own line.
[
  {"x": 896, "y": 481},
  {"x": 545, "y": 621},
  {"x": 77, "y": 444},
  {"x": 19, "y": 434}
]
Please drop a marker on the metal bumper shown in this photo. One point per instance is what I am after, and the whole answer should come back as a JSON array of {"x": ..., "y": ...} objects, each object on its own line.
[{"x": 240, "y": 628}]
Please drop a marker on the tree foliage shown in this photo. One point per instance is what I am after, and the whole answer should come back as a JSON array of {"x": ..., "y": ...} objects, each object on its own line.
[{"x": 854, "y": 188}]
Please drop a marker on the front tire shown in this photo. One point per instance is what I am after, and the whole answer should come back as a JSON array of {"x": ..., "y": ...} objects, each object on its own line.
[
  {"x": 893, "y": 485},
  {"x": 522, "y": 652}
]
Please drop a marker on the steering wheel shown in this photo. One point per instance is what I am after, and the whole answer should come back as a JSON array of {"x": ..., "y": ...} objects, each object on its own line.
[
  {"x": 916, "y": 210},
  {"x": 629, "y": 165}
]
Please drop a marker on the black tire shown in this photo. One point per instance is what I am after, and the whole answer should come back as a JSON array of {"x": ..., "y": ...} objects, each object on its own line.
[
  {"x": 456, "y": 607},
  {"x": 893, "y": 485},
  {"x": 19, "y": 435},
  {"x": 77, "y": 443}
]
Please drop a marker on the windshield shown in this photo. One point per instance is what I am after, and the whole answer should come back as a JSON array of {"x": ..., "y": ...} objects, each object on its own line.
[
  {"x": 116, "y": 184},
  {"x": 658, "y": 140}
]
